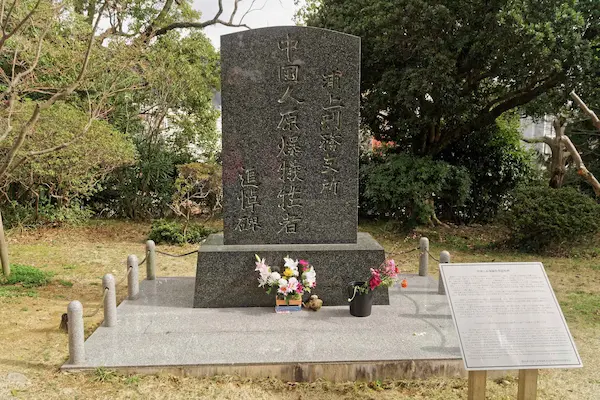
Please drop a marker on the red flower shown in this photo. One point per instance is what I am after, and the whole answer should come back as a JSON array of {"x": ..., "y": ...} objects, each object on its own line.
[
  {"x": 404, "y": 283},
  {"x": 375, "y": 279}
]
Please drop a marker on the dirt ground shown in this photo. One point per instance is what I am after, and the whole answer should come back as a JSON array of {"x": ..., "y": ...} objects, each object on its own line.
[{"x": 32, "y": 348}]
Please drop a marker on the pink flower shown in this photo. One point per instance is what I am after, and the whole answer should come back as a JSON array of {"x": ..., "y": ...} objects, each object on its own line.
[
  {"x": 304, "y": 263},
  {"x": 390, "y": 268},
  {"x": 283, "y": 289}
]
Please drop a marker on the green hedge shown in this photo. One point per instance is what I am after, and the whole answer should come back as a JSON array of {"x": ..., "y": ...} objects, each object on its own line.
[
  {"x": 542, "y": 218},
  {"x": 172, "y": 232}
]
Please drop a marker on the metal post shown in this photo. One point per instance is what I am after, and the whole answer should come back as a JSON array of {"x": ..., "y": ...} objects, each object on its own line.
[
  {"x": 76, "y": 348},
  {"x": 110, "y": 301},
  {"x": 133, "y": 285},
  {"x": 150, "y": 260},
  {"x": 444, "y": 258},
  {"x": 424, "y": 257}
]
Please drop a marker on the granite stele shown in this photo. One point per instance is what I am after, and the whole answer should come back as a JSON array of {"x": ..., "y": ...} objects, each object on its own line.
[{"x": 290, "y": 102}]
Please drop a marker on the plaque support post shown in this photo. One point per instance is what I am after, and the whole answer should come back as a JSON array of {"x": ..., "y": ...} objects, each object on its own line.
[
  {"x": 527, "y": 384},
  {"x": 477, "y": 381}
]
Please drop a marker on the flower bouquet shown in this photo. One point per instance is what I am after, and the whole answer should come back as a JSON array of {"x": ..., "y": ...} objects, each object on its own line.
[
  {"x": 361, "y": 292},
  {"x": 290, "y": 284}
]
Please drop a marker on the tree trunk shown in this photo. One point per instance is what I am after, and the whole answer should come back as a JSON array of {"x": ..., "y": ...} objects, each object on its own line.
[
  {"x": 433, "y": 219},
  {"x": 562, "y": 147},
  {"x": 558, "y": 168},
  {"x": 3, "y": 249}
]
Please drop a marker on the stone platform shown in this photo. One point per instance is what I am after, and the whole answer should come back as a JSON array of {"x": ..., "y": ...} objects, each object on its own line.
[
  {"x": 413, "y": 337},
  {"x": 225, "y": 275}
]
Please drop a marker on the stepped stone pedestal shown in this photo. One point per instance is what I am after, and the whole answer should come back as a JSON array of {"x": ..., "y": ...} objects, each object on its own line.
[{"x": 225, "y": 275}]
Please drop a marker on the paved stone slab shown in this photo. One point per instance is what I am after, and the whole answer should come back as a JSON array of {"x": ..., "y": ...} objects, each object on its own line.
[
  {"x": 225, "y": 275},
  {"x": 290, "y": 101},
  {"x": 161, "y": 328}
]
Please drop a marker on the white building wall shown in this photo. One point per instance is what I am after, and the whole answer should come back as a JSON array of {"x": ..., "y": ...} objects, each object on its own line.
[{"x": 538, "y": 128}]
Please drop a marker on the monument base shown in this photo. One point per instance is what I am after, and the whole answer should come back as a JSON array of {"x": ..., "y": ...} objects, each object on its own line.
[{"x": 225, "y": 275}]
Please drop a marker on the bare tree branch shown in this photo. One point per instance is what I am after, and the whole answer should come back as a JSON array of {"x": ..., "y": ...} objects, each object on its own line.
[
  {"x": 586, "y": 109},
  {"x": 543, "y": 139},
  {"x": 54, "y": 148},
  {"x": 17, "y": 79},
  {"x": 2, "y": 13},
  {"x": 11, "y": 106},
  {"x": 581, "y": 169},
  {"x": 28, "y": 127},
  {"x": 8, "y": 14},
  {"x": 6, "y": 36},
  {"x": 252, "y": 9},
  {"x": 163, "y": 13},
  {"x": 235, "y": 8},
  {"x": 214, "y": 21},
  {"x": 14, "y": 62}
]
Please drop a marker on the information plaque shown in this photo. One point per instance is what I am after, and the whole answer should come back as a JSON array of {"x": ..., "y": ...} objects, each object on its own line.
[{"x": 507, "y": 317}]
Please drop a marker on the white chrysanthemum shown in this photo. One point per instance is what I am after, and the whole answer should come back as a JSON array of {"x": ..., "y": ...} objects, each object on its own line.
[{"x": 274, "y": 278}]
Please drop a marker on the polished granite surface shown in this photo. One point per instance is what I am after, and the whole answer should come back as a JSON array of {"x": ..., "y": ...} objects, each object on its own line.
[
  {"x": 161, "y": 328},
  {"x": 223, "y": 278}
]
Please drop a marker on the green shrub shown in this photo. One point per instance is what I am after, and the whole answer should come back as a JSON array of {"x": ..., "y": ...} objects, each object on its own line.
[
  {"x": 25, "y": 214},
  {"x": 497, "y": 163},
  {"x": 27, "y": 276},
  {"x": 75, "y": 214},
  {"x": 174, "y": 232},
  {"x": 408, "y": 188},
  {"x": 542, "y": 218}
]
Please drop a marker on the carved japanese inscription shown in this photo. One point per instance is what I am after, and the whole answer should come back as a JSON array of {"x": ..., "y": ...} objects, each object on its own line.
[
  {"x": 289, "y": 154},
  {"x": 290, "y": 112}
]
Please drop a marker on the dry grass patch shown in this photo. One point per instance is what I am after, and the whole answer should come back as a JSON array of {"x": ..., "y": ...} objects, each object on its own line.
[{"x": 32, "y": 345}]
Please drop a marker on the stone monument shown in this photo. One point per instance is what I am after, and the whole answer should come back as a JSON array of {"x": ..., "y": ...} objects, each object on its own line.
[{"x": 290, "y": 103}]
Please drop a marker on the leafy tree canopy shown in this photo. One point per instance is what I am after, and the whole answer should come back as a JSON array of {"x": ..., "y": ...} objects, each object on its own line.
[
  {"x": 171, "y": 119},
  {"x": 434, "y": 71},
  {"x": 76, "y": 169}
]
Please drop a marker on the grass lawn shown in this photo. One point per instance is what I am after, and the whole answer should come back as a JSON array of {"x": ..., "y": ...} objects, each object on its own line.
[{"x": 32, "y": 345}]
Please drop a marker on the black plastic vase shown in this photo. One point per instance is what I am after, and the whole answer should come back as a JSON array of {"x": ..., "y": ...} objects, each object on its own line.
[{"x": 360, "y": 303}]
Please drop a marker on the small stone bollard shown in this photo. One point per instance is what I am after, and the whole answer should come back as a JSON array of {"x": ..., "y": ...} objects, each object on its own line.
[
  {"x": 133, "y": 284},
  {"x": 424, "y": 257},
  {"x": 110, "y": 301},
  {"x": 444, "y": 258},
  {"x": 76, "y": 348},
  {"x": 150, "y": 260}
]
